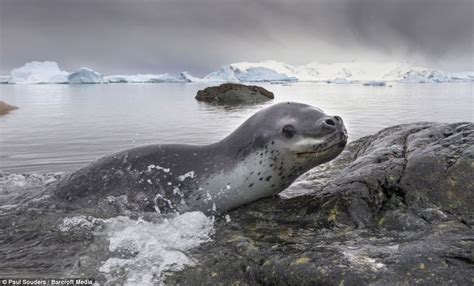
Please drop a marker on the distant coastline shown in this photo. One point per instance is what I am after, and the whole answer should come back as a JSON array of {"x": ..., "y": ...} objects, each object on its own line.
[{"x": 49, "y": 72}]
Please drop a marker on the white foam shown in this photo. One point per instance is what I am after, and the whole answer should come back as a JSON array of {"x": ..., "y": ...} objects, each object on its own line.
[
  {"x": 70, "y": 223},
  {"x": 146, "y": 250},
  {"x": 187, "y": 175},
  {"x": 16, "y": 182},
  {"x": 153, "y": 166}
]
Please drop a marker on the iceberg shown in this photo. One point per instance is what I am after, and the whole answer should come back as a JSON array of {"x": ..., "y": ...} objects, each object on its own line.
[
  {"x": 412, "y": 74},
  {"x": 85, "y": 75},
  {"x": 224, "y": 74},
  {"x": 345, "y": 72},
  {"x": 463, "y": 76},
  {"x": 4, "y": 79},
  {"x": 340, "y": 81},
  {"x": 144, "y": 78},
  {"x": 118, "y": 78},
  {"x": 367, "y": 73},
  {"x": 262, "y": 74},
  {"x": 39, "y": 72},
  {"x": 267, "y": 71},
  {"x": 244, "y": 72},
  {"x": 276, "y": 66},
  {"x": 187, "y": 77}
]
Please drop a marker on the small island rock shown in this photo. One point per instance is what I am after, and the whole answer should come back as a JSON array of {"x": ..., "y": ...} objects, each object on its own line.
[
  {"x": 5, "y": 108},
  {"x": 232, "y": 93}
]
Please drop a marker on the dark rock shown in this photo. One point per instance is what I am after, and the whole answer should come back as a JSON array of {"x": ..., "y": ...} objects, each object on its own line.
[
  {"x": 396, "y": 208},
  {"x": 5, "y": 108},
  {"x": 233, "y": 93}
]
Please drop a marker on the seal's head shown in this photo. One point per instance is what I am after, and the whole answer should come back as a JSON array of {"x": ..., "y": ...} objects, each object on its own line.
[
  {"x": 299, "y": 133},
  {"x": 308, "y": 135}
]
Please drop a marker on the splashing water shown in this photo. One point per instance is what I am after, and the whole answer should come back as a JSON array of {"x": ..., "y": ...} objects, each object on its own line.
[{"x": 145, "y": 250}]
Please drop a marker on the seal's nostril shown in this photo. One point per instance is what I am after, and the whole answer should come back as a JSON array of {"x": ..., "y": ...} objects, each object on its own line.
[
  {"x": 330, "y": 122},
  {"x": 339, "y": 119}
]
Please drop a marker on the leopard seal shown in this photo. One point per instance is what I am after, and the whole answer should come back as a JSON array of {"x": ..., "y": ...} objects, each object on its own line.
[{"x": 259, "y": 159}]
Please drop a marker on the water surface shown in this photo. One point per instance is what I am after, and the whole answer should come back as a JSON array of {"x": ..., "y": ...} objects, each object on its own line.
[{"x": 62, "y": 127}]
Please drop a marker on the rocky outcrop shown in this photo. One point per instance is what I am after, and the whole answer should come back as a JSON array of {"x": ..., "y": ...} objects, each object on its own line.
[
  {"x": 396, "y": 208},
  {"x": 232, "y": 93},
  {"x": 5, "y": 108}
]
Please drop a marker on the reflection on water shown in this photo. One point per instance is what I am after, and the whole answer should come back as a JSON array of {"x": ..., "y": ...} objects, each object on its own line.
[{"x": 61, "y": 127}]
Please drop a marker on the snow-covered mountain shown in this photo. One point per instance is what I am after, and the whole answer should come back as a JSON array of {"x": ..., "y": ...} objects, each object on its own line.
[
  {"x": 267, "y": 71},
  {"x": 351, "y": 72}
]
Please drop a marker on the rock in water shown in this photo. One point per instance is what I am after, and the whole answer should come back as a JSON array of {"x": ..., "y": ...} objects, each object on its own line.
[
  {"x": 232, "y": 93},
  {"x": 5, "y": 108},
  {"x": 394, "y": 209}
]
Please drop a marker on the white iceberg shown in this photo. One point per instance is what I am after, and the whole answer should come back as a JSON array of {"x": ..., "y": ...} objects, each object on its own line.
[
  {"x": 414, "y": 74},
  {"x": 345, "y": 72},
  {"x": 368, "y": 73},
  {"x": 39, "y": 72},
  {"x": 85, "y": 75},
  {"x": 187, "y": 77},
  {"x": 144, "y": 78},
  {"x": 224, "y": 74},
  {"x": 340, "y": 81},
  {"x": 268, "y": 71},
  {"x": 463, "y": 76},
  {"x": 262, "y": 74},
  {"x": 4, "y": 79},
  {"x": 277, "y": 67}
]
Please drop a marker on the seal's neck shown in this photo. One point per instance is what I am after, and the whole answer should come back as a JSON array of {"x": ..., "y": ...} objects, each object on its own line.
[
  {"x": 242, "y": 142},
  {"x": 261, "y": 174}
]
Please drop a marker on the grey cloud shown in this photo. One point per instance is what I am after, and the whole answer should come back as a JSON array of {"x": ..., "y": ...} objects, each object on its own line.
[{"x": 163, "y": 35}]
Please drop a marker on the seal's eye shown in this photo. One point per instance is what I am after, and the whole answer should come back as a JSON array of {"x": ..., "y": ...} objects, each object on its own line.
[{"x": 288, "y": 131}]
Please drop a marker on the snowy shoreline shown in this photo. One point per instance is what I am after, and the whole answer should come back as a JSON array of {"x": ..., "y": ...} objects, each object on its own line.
[{"x": 369, "y": 74}]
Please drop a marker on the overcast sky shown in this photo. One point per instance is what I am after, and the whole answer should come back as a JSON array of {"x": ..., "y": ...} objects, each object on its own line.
[{"x": 120, "y": 36}]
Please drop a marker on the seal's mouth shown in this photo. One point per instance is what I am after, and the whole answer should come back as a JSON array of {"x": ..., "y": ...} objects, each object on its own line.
[
  {"x": 324, "y": 148},
  {"x": 306, "y": 154}
]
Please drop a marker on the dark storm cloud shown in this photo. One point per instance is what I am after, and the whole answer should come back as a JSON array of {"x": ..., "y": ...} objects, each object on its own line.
[
  {"x": 156, "y": 36},
  {"x": 433, "y": 28}
]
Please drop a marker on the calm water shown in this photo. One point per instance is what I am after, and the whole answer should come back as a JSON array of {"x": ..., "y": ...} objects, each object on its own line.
[{"x": 61, "y": 127}]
